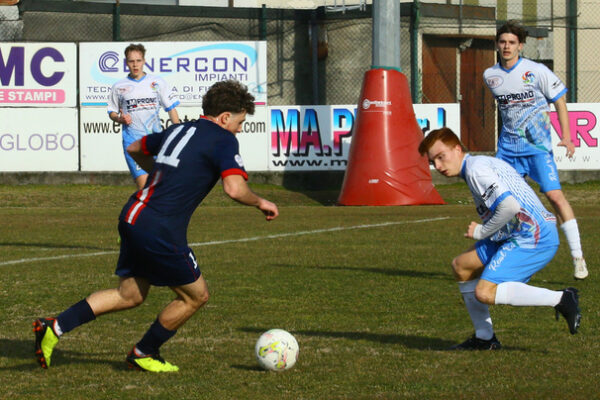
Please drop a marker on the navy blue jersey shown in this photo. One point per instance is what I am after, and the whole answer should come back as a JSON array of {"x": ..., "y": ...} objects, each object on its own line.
[{"x": 190, "y": 159}]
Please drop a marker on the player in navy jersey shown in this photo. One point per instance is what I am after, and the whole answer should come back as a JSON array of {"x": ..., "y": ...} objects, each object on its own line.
[
  {"x": 185, "y": 161},
  {"x": 135, "y": 102},
  {"x": 524, "y": 90},
  {"x": 516, "y": 239}
]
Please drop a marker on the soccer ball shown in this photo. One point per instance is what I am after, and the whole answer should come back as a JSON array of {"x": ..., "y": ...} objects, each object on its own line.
[{"x": 276, "y": 350}]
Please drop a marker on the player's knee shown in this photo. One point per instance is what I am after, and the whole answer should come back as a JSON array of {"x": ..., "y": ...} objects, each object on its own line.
[
  {"x": 134, "y": 300},
  {"x": 201, "y": 299},
  {"x": 457, "y": 269},
  {"x": 556, "y": 197},
  {"x": 484, "y": 295}
]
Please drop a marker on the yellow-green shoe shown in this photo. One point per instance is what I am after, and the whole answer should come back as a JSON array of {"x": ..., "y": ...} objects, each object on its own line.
[
  {"x": 45, "y": 340},
  {"x": 150, "y": 362}
]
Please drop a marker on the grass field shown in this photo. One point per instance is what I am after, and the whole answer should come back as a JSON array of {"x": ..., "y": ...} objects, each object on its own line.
[{"x": 367, "y": 291}]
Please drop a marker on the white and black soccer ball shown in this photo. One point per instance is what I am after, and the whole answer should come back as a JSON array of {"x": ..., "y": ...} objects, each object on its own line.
[{"x": 276, "y": 350}]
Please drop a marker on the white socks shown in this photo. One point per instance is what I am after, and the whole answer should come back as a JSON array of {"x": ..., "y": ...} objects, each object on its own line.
[
  {"x": 521, "y": 294},
  {"x": 571, "y": 231},
  {"x": 479, "y": 312}
]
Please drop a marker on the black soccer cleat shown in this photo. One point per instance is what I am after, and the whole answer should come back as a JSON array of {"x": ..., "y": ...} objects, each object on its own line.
[
  {"x": 569, "y": 308},
  {"x": 474, "y": 343},
  {"x": 45, "y": 340}
]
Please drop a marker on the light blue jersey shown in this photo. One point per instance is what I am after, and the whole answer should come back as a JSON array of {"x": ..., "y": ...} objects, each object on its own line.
[
  {"x": 142, "y": 99},
  {"x": 491, "y": 180},
  {"x": 523, "y": 94}
]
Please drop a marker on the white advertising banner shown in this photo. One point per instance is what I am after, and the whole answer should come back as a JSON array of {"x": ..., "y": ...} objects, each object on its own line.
[
  {"x": 38, "y": 75},
  {"x": 314, "y": 138},
  {"x": 102, "y": 148},
  {"x": 189, "y": 67},
  {"x": 39, "y": 139},
  {"x": 583, "y": 123}
]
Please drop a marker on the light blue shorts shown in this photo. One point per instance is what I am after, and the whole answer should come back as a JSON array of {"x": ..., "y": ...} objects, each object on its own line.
[
  {"x": 507, "y": 262},
  {"x": 134, "y": 168},
  {"x": 539, "y": 167}
]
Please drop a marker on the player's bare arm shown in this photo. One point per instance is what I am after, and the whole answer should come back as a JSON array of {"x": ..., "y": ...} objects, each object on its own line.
[
  {"x": 563, "y": 119},
  {"x": 235, "y": 186},
  {"x": 174, "y": 116},
  {"x": 121, "y": 118},
  {"x": 145, "y": 161}
]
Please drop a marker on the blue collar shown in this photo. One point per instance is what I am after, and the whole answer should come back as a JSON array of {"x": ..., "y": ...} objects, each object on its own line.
[
  {"x": 137, "y": 80},
  {"x": 511, "y": 68},
  {"x": 463, "y": 166}
]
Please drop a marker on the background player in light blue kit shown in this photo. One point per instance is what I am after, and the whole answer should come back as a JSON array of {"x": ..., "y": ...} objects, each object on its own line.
[
  {"x": 517, "y": 238},
  {"x": 135, "y": 102},
  {"x": 523, "y": 90},
  {"x": 190, "y": 159}
]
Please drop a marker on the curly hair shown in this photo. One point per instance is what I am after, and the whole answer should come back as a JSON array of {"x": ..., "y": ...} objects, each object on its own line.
[{"x": 226, "y": 96}]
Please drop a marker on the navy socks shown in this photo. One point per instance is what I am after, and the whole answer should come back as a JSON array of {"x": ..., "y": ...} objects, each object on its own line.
[
  {"x": 154, "y": 338},
  {"x": 78, "y": 314}
]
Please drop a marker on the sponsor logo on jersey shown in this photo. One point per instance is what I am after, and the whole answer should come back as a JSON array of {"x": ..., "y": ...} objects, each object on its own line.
[
  {"x": 515, "y": 97},
  {"x": 142, "y": 101},
  {"x": 528, "y": 78},
  {"x": 494, "y": 81},
  {"x": 489, "y": 191},
  {"x": 124, "y": 89},
  {"x": 238, "y": 159},
  {"x": 556, "y": 84}
]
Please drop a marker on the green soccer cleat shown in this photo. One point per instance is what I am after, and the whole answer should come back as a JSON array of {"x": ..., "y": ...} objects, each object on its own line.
[
  {"x": 150, "y": 362},
  {"x": 45, "y": 340}
]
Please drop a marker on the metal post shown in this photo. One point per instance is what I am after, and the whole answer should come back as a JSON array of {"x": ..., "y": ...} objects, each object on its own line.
[
  {"x": 386, "y": 34},
  {"x": 314, "y": 37},
  {"x": 415, "y": 81},
  {"x": 262, "y": 30},
  {"x": 117, "y": 21},
  {"x": 572, "y": 51}
]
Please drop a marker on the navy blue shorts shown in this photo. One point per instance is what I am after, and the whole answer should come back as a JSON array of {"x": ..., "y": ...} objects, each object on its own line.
[{"x": 148, "y": 256}]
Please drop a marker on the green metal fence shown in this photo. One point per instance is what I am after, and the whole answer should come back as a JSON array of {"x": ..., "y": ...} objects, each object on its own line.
[{"x": 330, "y": 68}]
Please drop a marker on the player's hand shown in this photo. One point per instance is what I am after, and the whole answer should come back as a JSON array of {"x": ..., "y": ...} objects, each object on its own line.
[
  {"x": 566, "y": 142},
  {"x": 125, "y": 118},
  {"x": 471, "y": 230},
  {"x": 269, "y": 209}
]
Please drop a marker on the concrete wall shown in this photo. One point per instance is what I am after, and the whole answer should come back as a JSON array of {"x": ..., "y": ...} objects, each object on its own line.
[{"x": 11, "y": 28}]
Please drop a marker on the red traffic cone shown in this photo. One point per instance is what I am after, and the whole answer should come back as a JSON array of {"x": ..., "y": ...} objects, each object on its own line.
[{"x": 384, "y": 165}]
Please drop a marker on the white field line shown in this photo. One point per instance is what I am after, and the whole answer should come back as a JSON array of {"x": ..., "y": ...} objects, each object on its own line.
[{"x": 214, "y": 243}]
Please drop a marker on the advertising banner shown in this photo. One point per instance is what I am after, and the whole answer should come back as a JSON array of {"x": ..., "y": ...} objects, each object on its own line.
[
  {"x": 189, "y": 67},
  {"x": 583, "y": 118},
  {"x": 41, "y": 139},
  {"x": 38, "y": 75},
  {"x": 313, "y": 138},
  {"x": 102, "y": 149}
]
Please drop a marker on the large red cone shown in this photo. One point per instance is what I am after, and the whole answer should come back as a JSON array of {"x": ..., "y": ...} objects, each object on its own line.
[{"x": 384, "y": 164}]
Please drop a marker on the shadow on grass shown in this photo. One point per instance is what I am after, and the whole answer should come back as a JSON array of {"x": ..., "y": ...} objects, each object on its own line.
[
  {"x": 55, "y": 246},
  {"x": 255, "y": 368},
  {"x": 20, "y": 349},
  {"x": 384, "y": 271},
  {"x": 409, "y": 341}
]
